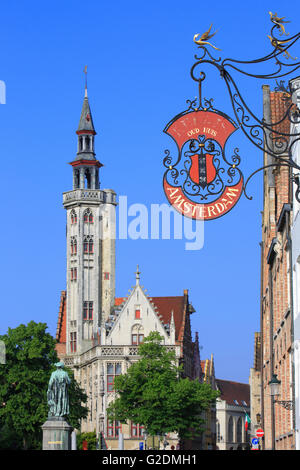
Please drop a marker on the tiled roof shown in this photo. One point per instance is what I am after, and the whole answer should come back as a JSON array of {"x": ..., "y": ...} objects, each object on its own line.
[
  {"x": 231, "y": 391},
  {"x": 165, "y": 306}
]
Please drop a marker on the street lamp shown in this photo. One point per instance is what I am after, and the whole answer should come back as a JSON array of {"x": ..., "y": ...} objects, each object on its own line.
[{"x": 275, "y": 392}]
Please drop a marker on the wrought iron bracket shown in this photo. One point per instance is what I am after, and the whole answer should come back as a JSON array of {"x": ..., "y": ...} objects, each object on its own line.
[
  {"x": 287, "y": 404},
  {"x": 266, "y": 136}
]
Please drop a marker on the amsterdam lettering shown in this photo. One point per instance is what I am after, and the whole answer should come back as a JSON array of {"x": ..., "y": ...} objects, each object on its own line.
[{"x": 202, "y": 184}]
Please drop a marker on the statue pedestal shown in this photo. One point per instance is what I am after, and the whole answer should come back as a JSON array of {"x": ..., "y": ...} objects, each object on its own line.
[{"x": 56, "y": 434}]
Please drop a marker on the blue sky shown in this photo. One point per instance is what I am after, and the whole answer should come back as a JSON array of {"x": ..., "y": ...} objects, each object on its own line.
[{"x": 139, "y": 57}]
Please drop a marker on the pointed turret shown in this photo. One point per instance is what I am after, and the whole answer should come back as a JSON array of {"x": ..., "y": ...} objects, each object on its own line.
[
  {"x": 86, "y": 120},
  {"x": 85, "y": 165},
  {"x": 86, "y": 132}
]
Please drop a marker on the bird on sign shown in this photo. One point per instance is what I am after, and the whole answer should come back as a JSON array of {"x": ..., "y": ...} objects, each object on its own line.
[
  {"x": 279, "y": 45},
  {"x": 278, "y": 22},
  {"x": 203, "y": 39}
]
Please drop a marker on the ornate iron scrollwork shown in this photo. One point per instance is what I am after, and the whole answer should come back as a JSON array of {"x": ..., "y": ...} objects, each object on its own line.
[{"x": 266, "y": 136}]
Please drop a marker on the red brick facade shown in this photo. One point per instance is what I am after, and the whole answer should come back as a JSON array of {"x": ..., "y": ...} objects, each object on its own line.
[{"x": 276, "y": 302}]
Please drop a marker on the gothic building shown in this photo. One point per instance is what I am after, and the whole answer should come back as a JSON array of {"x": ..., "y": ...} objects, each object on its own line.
[{"x": 98, "y": 334}]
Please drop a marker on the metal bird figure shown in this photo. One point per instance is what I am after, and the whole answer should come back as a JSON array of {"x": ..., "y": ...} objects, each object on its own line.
[
  {"x": 278, "y": 22},
  {"x": 278, "y": 45},
  {"x": 202, "y": 40}
]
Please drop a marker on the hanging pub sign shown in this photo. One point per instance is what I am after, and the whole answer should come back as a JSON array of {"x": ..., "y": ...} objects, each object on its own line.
[{"x": 202, "y": 183}]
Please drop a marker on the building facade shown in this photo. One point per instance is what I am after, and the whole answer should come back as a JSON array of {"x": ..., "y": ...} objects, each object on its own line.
[
  {"x": 295, "y": 236},
  {"x": 231, "y": 409},
  {"x": 276, "y": 287},
  {"x": 255, "y": 388},
  {"x": 98, "y": 334}
]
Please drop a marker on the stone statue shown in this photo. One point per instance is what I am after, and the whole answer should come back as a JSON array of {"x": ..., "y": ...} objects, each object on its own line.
[{"x": 57, "y": 393}]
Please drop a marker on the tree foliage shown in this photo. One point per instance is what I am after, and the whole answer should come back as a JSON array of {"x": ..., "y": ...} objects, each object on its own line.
[
  {"x": 30, "y": 359},
  {"x": 153, "y": 393},
  {"x": 89, "y": 437}
]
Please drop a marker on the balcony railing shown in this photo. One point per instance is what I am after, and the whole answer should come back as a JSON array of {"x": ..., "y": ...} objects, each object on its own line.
[{"x": 89, "y": 195}]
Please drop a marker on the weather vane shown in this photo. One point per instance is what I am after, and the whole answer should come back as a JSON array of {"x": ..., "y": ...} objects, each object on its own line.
[{"x": 202, "y": 182}]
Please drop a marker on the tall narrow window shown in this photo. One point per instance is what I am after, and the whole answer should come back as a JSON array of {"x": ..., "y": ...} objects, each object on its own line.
[
  {"x": 73, "y": 217},
  {"x": 75, "y": 247},
  {"x": 85, "y": 310},
  {"x": 88, "y": 217},
  {"x": 88, "y": 245},
  {"x": 137, "y": 430},
  {"x": 106, "y": 276},
  {"x": 113, "y": 428},
  {"x": 137, "y": 313},
  {"x": 75, "y": 274},
  {"x": 73, "y": 342},
  {"x": 90, "y": 310},
  {"x": 230, "y": 429},
  {"x": 239, "y": 430},
  {"x": 113, "y": 370}
]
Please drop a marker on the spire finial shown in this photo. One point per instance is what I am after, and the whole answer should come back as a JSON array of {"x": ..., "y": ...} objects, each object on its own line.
[
  {"x": 137, "y": 275},
  {"x": 85, "y": 90}
]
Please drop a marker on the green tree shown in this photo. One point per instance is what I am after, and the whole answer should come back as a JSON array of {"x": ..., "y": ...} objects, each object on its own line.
[
  {"x": 91, "y": 439},
  {"x": 30, "y": 359},
  {"x": 154, "y": 394}
]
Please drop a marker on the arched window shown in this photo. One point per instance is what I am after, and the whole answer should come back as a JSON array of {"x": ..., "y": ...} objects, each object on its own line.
[
  {"x": 73, "y": 217},
  {"x": 218, "y": 431},
  {"x": 239, "y": 430},
  {"x": 88, "y": 217},
  {"x": 137, "y": 335},
  {"x": 73, "y": 245},
  {"x": 230, "y": 430},
  {"x": 88, "y": 245}
]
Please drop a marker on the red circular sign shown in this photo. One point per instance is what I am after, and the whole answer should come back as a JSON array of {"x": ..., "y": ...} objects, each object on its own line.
[
  {"x": 202, "y": 184},
  {"x": 260, "y": 432}
]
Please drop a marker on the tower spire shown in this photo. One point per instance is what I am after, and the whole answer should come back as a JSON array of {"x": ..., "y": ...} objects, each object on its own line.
[
  {"x": 85, "y": 88},
  {"x": 137, "y": 275},
  {"x": 85, "y": 165}
]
